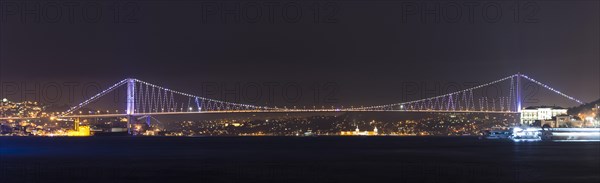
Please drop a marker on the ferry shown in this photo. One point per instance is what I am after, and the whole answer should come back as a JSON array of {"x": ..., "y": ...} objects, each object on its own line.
[
  {"x": 497, "y": 133},
  {"x": 527, "y": 134},
  {"x": 574, "y": 134},
  {"x": 524, "y": 133}
]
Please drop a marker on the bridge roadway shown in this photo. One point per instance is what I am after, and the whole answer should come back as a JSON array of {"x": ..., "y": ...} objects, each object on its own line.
[{"x": 259, "y": 111}]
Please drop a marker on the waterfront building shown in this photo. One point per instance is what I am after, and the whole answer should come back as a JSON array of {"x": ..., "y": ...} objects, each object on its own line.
[
  {"x": 80, "y": 131},
  {"x": 358, "y": 132},
  {"x": 537, "y": 113}
]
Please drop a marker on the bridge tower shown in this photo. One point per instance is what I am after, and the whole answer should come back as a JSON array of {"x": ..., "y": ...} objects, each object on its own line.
[
  {"x": 130, "y": 103},
  {"x": 518, "y": 87}
]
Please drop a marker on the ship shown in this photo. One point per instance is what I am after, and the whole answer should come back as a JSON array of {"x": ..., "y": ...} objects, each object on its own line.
[
  {"x": 523, "y": 133},
  {"x": 497, "y": 133}
]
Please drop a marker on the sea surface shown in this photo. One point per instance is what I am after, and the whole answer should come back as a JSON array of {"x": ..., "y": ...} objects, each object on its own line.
[{"x": 295, "y": 159}]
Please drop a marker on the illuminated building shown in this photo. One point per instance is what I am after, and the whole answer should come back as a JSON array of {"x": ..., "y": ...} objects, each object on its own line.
[
  {"x": 358, "y": 132},
  {"x": 531, "y": 114},
  {"x": 81, "y": 131},
  {"x": 233, "y": 124}
]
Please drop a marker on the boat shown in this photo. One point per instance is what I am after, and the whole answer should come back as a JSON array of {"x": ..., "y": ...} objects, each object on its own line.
[
  {"x": 574, "y": 134},
  {"x": 497, "y": 133},
  {"x": 527, "y": 134}
]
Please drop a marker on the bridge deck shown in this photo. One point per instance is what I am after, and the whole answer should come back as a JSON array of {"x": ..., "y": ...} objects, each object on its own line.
[{"x": 260, "y": 111}]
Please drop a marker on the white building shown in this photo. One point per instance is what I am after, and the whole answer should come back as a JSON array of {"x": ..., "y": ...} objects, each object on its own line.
[{"x": 531, "y": 114}]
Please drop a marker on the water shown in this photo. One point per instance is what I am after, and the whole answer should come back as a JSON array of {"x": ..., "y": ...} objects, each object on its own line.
[{"x": 295, "y": 159}]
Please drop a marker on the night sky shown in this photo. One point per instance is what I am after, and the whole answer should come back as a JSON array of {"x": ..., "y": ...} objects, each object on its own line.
[{"x": 367, "y": 49}]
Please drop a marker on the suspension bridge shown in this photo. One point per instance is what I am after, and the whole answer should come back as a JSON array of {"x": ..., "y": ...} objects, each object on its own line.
[{"x": 146, "y": 99}]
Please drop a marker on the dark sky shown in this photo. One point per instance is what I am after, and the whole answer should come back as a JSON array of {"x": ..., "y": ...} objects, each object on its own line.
[{"x": 366, "y": 48}]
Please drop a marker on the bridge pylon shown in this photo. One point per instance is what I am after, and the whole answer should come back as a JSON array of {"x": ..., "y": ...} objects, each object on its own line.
[
  {"x": 130, "y": 103},
  {"x": 518, "y": 91}
]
